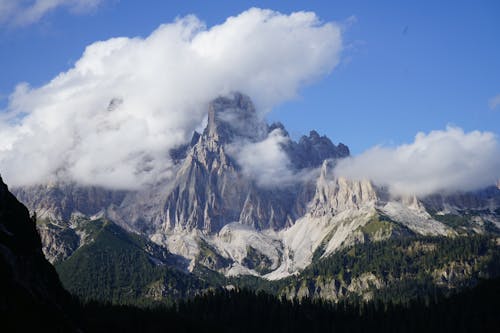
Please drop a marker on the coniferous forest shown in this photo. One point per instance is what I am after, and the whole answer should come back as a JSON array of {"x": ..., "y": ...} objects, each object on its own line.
[{"x": 472, "y": 310}]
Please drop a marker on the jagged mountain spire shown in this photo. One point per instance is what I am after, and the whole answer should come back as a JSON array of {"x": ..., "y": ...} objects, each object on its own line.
[
  {"x": 210, "y": 190},
  {"x": 231, "y": 117}
]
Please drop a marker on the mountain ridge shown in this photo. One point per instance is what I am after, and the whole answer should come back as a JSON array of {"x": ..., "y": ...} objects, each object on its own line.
[{"x": 215, "y": 214}]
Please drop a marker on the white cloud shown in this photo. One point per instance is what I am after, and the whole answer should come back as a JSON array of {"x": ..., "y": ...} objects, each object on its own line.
[
  {"x": 164, "y": 83},
  {"x": 494, "y": 102},
  {"x": 265, "y": 161},
  {"x": 25, "y": 12},
  {"x": 441, "y": 161}
]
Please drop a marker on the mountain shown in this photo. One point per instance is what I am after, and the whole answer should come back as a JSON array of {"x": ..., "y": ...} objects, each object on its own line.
[
  {"x": 217, "y": 220},
  {"x": 33, "y": 299},
  {"x": 208, "y": 193},
  {"x": 209, "y": 190},
  {"x": 29, "y": 286}
]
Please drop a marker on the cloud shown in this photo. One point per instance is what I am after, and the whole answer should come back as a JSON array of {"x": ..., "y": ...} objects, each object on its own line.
[
  {"x": 441, "y": 161},
  {"x": 21, "y": 13},
  {"x": 494, "y": 102},
  {"x": 265, "y": 161},
  {"x": 268, "y": 164},
  {"x": 111, "y": 119}
]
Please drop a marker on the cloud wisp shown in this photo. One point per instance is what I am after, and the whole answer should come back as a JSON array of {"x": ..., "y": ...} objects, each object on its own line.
[
  {"x": 22, "y": 13},
  {"x": 112, "y": 118},
  {"x": 265, "y": 161},
  {"x": 494, "y": 102},
  {"x": 443, "y": 161}
]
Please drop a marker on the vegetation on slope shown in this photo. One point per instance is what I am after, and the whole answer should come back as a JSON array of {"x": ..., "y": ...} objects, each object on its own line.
[
  {"x": 115, "y": 267},
  {"x": 404, "y": 268}
]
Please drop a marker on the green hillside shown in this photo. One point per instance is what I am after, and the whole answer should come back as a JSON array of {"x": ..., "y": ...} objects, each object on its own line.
[{"x": 122, "y": 267}]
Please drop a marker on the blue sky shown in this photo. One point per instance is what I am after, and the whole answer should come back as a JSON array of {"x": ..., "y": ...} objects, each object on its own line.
[{"x": 407, "y": 66}]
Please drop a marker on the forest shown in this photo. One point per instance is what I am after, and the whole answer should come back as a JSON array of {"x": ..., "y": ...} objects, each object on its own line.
[{"x": 472, "y": 310}]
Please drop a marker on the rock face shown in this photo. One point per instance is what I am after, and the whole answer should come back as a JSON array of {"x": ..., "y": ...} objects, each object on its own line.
[
  {"x": 328, "y": 288},
  {"x": 60, "y": 201},
  {"x": 58, "y": 206},
  {"x": 486, "y": 199},
  {"x": 334, "y": 195},
  {"x": 209, "y": 190},
  {"x": 312, "y": 150},
  {"x": 59, "y": 242},
  {"x": 29, "y": 285}
]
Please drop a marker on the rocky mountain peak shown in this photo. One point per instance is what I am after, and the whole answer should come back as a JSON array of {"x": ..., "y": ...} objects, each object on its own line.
[
  {"x": 312, "y": 150},
  {"x": 280, "y": 126},
  {"x": 334, "y": 194},
  {"x": 233, "y": 117},
  {"x": 323, "y": 146}
]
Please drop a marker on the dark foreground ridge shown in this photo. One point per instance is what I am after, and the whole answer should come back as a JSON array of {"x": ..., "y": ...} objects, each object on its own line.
[{"x": 30, "y": 290}]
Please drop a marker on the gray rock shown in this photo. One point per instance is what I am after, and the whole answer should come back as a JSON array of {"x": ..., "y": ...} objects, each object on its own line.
[
  {"x": 59, "y": 201},
  {"x": 209, "y": 190}
]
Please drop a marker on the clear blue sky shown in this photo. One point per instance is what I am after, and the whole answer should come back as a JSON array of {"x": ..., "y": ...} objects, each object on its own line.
[{"x": 408, "y": 66}]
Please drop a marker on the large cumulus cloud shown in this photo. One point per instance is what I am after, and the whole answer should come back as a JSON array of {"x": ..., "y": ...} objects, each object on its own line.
[
  {"x": 111, "y": 119},
  {"x": 443, "y": 161}
]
